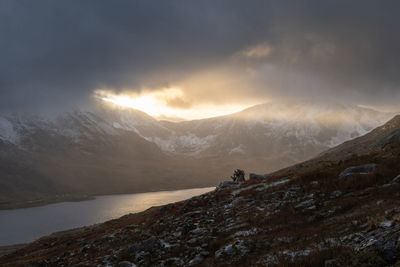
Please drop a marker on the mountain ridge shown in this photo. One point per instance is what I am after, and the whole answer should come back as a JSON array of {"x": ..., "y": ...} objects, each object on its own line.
[{"x": 107, "y": 150}]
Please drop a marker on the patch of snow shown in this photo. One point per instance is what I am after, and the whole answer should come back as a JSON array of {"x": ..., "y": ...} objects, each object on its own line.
[
  {"x": 117, "y": 125},
  {"x": 237, "y": 150},
  {"x": 259, "y": 187},
  {"x": 7, "y": 132},
  {"x": 385, "y": 224},
  {"x": 293, "y": 254},
  {"x": 186, "y": 144},
  {"x": 165, "y": 244},
  {"x": 250, "y": 232}
]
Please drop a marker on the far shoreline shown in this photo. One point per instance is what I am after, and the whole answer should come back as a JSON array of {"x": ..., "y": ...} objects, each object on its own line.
[{"x": 24, "y": 204}]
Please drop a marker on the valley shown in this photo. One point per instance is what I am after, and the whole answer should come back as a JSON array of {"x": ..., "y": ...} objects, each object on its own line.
[
  {"x": 115, "y": 151},
  {"x": 303, "y": 215}
]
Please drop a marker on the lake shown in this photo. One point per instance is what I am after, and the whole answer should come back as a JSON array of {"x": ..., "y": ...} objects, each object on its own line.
[{"x": 26, "y": 225}]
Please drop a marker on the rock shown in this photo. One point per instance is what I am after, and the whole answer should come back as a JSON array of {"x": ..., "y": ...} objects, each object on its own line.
[
  {"x": 241, "y": 248},
  {"x": 228, "y": 250},
  {"x": 383, "y": 239},
  {"x": 192, "y": 213},
  {"x": 196, "y": 260},
  {"x": 163, "y": 209},
  {"x": 330, "y": 263},
  {"x": 193, "y": 240},
  {"x": 237, "y": 248},
  {"x": 385, "y": 224},
  {"x": 294, "y": 188},
  {"x": 151, "y": 242},
  {"x": 126, "y": 264},
  {"x": 148, "y": 244},
  {"x": 389, "y": 250},
  {"x": 257, "y": 176},
  {"x": 250, "y": 232},
  {"x": 186, "y": 227},
  {"x": 310, "y": 196},
  {"x": 396, "y": 180},
  {"x": 235, "y": 202},
  {"x": 175, "y": 261},
  {"x": 226, "y": 184},
  {"x": 289, "y": 195},
  {"x": 141, "y": 256},
  {"x": 336, "y": 194},
  {"x": 204, "y": 253},
  {"x": 306, "y": 204},
  {"x": 165, "y": 245},
  {"x": 361, "y": 169},
  {"x": 198, "y": 231}
]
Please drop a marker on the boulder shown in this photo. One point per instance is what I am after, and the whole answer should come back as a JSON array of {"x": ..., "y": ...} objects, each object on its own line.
[
  {"x": 226, "y": 184},
  {"x": 361, "y": 169},
  {"x": 388, "y": 250},
  {"x": 336, "y": 194},
  {"x": 396, "y": 180},
  {"x": 257, "y": 176},
  {"x": 330, "y": 263},
  {"x": 305, "y": 204},
  {"x": 196, "y": 260},
  {"x": 148, "y": 244},
  {"x": 126, "y": 264},
  {"x": 384, "y": 240}
]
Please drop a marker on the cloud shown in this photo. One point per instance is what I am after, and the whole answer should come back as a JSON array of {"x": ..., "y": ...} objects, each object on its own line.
[
  {"x": 257, "y": 51},
  {"x": 56, "y": 54},
  {"x": 179, "y": 103}
]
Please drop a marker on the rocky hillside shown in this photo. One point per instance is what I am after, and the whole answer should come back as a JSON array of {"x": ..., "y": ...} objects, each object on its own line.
[
  {"x": 111, "y": 150},
  {"x": 339, "y": 209}
]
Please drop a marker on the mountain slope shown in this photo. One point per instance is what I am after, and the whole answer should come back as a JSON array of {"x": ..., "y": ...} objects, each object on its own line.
[
  {"x": 380, "y": 138},
  {"x": 304, "y": 215},
  {"x": 273, "y": 125},
  {"x": 107, "y": 150}
]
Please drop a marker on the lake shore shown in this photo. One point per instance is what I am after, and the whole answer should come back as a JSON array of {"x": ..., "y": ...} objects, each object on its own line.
[
  {"x": 21, "y": 204},
  {"x": 43, "y": 201},
  {"x": 21, "y": 226}
]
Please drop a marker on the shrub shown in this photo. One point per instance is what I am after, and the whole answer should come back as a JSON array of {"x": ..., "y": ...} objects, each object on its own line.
[{"x": 238, "y": 175}]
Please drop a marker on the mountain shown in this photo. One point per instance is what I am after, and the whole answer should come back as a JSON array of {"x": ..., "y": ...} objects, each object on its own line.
[
  {"x": 295, "y": 131},
  {"x": 106, "y": 150},
  {"x": 308, "y": 214}
]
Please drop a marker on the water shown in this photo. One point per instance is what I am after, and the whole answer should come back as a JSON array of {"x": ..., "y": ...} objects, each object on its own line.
[{"x": 26, "y": 225}]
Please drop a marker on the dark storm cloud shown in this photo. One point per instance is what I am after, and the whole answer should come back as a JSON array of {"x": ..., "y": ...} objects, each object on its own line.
[{"x": 57, "y": 52}]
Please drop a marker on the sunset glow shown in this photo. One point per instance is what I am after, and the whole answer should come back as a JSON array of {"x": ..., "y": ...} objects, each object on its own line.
[{"x": 161, "y": 104}]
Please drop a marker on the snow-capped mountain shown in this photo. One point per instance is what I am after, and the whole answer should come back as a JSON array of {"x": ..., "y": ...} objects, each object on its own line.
[
  {"x": 115, "y": 150},
  {"x": 300, "y": 130}
]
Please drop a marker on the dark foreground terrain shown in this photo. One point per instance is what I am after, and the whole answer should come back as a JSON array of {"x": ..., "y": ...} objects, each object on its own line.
[{"x": 318, "y": 213}]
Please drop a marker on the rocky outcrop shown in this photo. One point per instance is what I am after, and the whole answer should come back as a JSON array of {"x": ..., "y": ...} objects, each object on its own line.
[
  {"x": 384, "y": 240},
  {"x": 357, "y": 170},
  {"x": 396, "y": 179},
  {"x": 125, "y": 264},
  {"x": 227, "y": 184},
  {"x": 257, "y": 176}
]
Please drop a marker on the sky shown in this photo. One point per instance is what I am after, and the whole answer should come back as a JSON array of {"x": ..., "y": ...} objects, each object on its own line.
[{"x": 227, "y": 54}]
